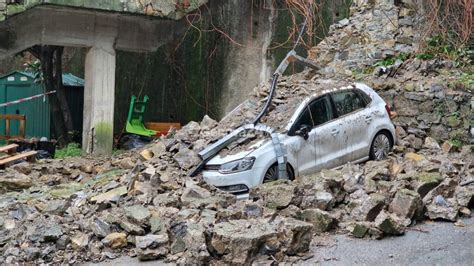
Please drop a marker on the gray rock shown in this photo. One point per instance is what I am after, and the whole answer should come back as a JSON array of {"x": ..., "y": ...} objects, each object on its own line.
[
  {"x": 100, "y": 228},
  {"x": 151, "y": 241},
  {"x": 80, "y": 241},
  {"x": 152, "y": 254},
  {"x": 115, "y": 240},
  {"x": 190, "y": 132},
  {"x": 440, "y": 208},
  {"x": 389, "y": 223},
  {"x": 318, "y": 199},
  {"x": 431, "y": 143},
  {"x": 23, "y": 167},
  {"x": 137, "y": 213},
  {"x": 32, "y": 253},
  {"x": 131, "y": 227},
  {"x": 369, "y": 208},
  {"x": 377, "y": 170},
  {"x": 208, "y": 123},
  {"x": 406, "y": 204},
  {"x": 321, "y": 220},
  {"x": 52, "y": 232},
  {"x": 17, "y": 181},
  {"x": 186, "y": 158},
  {"x": 275, "y": 195}
]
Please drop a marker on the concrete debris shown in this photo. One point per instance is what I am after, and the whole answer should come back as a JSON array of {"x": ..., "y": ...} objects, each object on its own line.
[{"x": 143, "y": 204}]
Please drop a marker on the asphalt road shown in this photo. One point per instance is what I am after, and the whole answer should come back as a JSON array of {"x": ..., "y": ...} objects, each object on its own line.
[{"x": 430, "y": 243}]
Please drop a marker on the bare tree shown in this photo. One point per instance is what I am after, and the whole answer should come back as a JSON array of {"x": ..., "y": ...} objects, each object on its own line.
[{"x": 51, "y": 67}]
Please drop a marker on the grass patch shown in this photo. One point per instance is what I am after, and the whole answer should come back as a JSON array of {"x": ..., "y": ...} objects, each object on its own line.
[{"x": 72, "y": 150}]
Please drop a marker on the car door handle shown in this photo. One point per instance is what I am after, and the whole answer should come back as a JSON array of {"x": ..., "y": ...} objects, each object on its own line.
[
  {"x": 368, "y": 118},
  {"x": 334, "y": 132}
]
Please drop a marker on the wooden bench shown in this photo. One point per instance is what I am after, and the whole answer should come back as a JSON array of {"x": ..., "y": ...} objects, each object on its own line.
[
  {"x": 10, "y": 149},
  {"x": 29, "y": 156}
]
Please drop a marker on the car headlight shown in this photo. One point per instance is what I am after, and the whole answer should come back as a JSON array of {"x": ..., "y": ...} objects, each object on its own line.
[{"x": 237, "y": 165}]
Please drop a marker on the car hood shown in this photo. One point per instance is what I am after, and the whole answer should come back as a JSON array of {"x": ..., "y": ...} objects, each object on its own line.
[{"x": 252, "y": 150}]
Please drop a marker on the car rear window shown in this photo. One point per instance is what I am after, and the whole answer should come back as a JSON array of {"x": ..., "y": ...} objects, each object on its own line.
[
  {"x": 347, "y": 101},
  {"x": 321, "y": 111}
]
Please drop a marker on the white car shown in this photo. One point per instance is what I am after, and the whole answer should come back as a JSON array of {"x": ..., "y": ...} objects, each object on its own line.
[{"x": 328, "y": 129}]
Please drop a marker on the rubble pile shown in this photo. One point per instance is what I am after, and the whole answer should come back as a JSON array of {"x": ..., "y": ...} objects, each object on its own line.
[{"x": 142, "y": 203}]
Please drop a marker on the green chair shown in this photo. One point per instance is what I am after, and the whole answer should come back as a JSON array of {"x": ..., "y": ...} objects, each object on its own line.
[{"x": 135, "y": 118}]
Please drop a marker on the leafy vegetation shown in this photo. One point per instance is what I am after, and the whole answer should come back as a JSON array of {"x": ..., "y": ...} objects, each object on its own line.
[
  {"x": 437, "y": 46},
  {"x": 71, "y": 150}
]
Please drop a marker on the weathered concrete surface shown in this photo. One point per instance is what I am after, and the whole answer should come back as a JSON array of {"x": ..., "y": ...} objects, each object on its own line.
[
  {"x": 50, "y": 25},
  {"x": 428, "y": 244},
  {"x": 99, "y": 94},
  {"x": 156, "y": 8}
]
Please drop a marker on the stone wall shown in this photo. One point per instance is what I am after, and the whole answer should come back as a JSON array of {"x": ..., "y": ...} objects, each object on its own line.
[{"x": 378, "y": 45}]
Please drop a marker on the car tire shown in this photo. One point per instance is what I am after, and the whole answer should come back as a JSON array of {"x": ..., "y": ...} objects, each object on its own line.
[
  {"x": 381, "y": 146},
  {"x": 272, "y": 173}
]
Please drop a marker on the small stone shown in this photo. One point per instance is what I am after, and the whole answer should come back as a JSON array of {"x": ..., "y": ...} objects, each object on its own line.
[
  {"x": 152, "y": 254},
  {"x": 80, "y": 241},
  {"x": 131, "y": 227},
  {"x": 52, "y": 232},
  {"x": 414, "y": 156},
  {"x": 137, "y": 213},
  {"x": 115, "y": 240},
  {"x": 151, "y": 241},
  {"x": 447, "y": 147},
  {"x": 465, "y": 211},
  {"x": 127, "y": 163},
  {"x": 208, "y": 123},
  {"x": 431, "y": 143},
  {"x": 100, "y": 228},
  {"x": 32, "y": 253},
  {"x": 146, "y": 155},
  {"x": 110, "y": 196}
]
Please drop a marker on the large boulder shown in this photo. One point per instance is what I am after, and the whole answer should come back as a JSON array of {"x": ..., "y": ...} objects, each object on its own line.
[
  {"x": 240, "y": 241},
  {"x": 15, "y": 181},
  {"x": 275, "y": 195},
  {"x": 442, "y": 208},
  {"x": 389, "y": 223},
  {"x": 322, "y": 221},
  {"x": 369, "y": 208},
  {"x": 407, "y": 204}
]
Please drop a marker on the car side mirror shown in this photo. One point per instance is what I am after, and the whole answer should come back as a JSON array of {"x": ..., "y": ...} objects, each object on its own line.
[{"x": 303, "y": 131}]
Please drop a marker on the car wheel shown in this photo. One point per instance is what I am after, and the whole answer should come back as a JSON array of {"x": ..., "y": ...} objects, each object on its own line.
[
  {"x": 272, "y": 173},
  {"x": 381, "y": 146}
]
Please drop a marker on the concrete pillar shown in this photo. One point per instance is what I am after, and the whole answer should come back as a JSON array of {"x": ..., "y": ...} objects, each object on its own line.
[{"x": 99, "y": 98}]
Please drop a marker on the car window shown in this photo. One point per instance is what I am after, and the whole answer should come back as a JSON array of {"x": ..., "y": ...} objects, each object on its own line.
[
  {"x": 321, "y": 111},
  {"x": 347, "y": 101},
  {"x": 303, "y": 119}
]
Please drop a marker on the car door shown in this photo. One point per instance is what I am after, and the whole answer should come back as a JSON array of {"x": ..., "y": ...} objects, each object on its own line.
[
  {"x": 355, "y": 120},
  {"x": 328, "y": 135},
  {"x": 301, "y": 149}
]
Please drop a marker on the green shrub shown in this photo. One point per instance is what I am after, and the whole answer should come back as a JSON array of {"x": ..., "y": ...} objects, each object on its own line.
[{"x": 72, "y": 150}]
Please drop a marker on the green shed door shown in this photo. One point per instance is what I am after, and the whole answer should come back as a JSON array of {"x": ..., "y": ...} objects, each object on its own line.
[{"x": 36, "y": 111}]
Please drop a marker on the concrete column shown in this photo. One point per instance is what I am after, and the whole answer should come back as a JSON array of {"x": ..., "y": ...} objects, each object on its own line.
[{"x": 99, "y": 97}]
